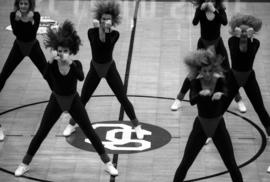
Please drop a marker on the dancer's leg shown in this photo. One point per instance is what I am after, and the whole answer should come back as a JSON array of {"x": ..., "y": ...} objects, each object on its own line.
[
  {"x": 223, "y": 143},
  {"x": 253, "y": 92},
  {"x": 89, "y": 86},
  {"x": 114, "y": 80},
  {"x": 13, "y": 60},
  {"x": 194, "y": 144}
]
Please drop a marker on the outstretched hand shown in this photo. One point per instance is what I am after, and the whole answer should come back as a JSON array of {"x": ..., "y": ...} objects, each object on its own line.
[
  {"x": 30, "y": 15},
  {"x": 217, "y": 96},
  {"x": 237, "y": 31},
  {"x": 108, "y": 25},
  {"x": 204, "y": 6},
  {"x": 54, "y": 56},
  {"x": 205, "y": 92},
  {"x": 18, "y": 15},
  {"x": 250, "y": 32},
  {"x": 211, "y": 7},
  {"x": 96, "y": 23},
  {"x": 66, "y": 58}
]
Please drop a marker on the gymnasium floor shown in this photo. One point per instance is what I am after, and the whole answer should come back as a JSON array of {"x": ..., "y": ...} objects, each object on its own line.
[{"x": 154, "y": 37}]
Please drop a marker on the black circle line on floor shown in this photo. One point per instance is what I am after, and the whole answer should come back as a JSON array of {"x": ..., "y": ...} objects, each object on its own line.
[{"x": 259, "y": 152}]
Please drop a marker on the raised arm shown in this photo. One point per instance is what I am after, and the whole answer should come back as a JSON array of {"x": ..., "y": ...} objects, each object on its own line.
[
  {"x": 221, "y": 86},
  {"x": 112, "y": 37},
  {"x": 13, "y": 23},
  {"x": 76, "y": 66},
  {"x": 36, "y": 21},
  {"x": 195, "y": 88},
  {"x": 197, "y": 16},
  {"x": 221, "y": 16}
]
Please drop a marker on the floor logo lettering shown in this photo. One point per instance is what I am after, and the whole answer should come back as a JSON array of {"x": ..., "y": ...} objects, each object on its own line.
[
  {"x": 120, "y": 137},
  {"x": 114, "y": 143}
]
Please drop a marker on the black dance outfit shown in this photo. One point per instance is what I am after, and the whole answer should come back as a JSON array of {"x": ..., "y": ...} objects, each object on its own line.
[
  {"x": 243, "y": 75},
  {"x": 208, "y": 123},
  {"x": 103, "y": 66},
  {"x": 64, "y": 97},
  {"x": 25, "y": 44},
  {"x": 210, "y": 35}
]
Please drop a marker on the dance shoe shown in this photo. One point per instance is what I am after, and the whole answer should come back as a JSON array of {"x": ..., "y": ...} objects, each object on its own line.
[
  {"x": 139, "y": 132},
  {"x": 208, "y": 141},
  {"x": 111, "y": 169},
  {"x": 2, "y": 135},
  {"x": 69, "y": 130},
  {"x": 176, "y": 105},
  {"x": 241, "y": 106},
  {"x": 21, "y": 169}
]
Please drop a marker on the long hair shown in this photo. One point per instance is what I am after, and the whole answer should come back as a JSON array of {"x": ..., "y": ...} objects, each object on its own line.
[
  {"x": 249, "y": 20},
  {"x": 32, "y": 5},
  {"x": 64, "y": 36},
  {"x": 110, "y": 7},
  {"x": 218, "y": 3},
  {"x": 201, "y": 58}
]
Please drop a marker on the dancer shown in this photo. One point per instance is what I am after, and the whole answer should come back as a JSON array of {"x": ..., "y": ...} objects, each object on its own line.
[
  {"x": 102, "y": 40},
  {"x": 24, "y": 22},
  {"x": 62, "y": 73},
  {"x": 211, "y": 15},
  {"x": 243, "y": 49},
  {"x": 208, "y": 92}
]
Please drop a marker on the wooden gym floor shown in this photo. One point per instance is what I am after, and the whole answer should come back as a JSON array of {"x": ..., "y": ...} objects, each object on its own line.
[{"x": 163, "y": 36}]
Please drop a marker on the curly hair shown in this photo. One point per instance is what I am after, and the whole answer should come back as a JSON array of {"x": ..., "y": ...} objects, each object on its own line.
[
  {"x": 198, "y": 3},
  {"x": 32, "y": 5},
  {"x": 64, "y": 36},
  {"x": 110, "y": 7},
  {"x": 201, "y": 58},
  {"x": 249, "y": 20}
]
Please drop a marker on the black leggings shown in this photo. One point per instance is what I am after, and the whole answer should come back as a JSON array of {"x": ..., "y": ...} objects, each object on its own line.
[
  {"x": 51, "y": 115},
  {"x": 253, "y": 92},
  {"x": 220, "y": 50},
  {"x": 16, "y": 56},
  {"x": 195, "y": 143},
  {"x": 114, "y": 80}
]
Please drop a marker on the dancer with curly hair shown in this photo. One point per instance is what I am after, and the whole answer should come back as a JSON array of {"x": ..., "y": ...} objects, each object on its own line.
[
  {"x": 211, "y": 15},
  {"x": 243, "y": 49},
  {"x": 24, "y": 22},
  {"x": 102, "y": 40},
  {"x": 208, "y": 92},
  {"x": 63, "y": 73}
]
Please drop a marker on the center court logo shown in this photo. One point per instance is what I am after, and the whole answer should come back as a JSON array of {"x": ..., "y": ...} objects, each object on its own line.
[{"x": 120, "y": 138}]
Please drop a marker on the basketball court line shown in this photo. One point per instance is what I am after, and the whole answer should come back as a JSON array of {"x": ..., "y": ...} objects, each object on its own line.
[{"x": 127, "y": 72}]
